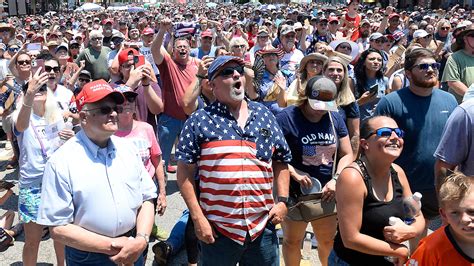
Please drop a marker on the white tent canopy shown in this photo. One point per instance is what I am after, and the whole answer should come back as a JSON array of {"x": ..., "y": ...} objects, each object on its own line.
[{"x": 89, "y": 7}]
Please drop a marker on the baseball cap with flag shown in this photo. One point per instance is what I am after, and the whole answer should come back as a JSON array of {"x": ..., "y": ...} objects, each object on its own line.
[{"x": 95, "y": 91}]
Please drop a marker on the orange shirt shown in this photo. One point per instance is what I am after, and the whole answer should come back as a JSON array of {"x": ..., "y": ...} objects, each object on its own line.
[{"x": 439, "y": 248}]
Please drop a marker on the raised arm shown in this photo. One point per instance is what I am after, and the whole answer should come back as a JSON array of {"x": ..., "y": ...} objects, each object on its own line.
[{"x": 157, "y": 49}]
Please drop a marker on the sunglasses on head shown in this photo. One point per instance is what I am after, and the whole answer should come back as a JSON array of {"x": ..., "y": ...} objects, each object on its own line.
[
  {"x": 23, "y": 62},
  {"x": 434, "y": 66},
  {"x": 49, "y": 68},
  {"x": 386, "y": 132},
  {"x": 84, "y": 80},
  {"x": 106, "y": 110},
  {"x": 230, "y": 71}
]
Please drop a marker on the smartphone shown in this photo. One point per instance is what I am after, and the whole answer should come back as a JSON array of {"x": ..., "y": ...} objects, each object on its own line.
[
  {"x": 37, "y": 64},
  {"x": 374, "y": 89},
  {"x": 139, "y": 60},
  {"x": 33, "y": 47}
]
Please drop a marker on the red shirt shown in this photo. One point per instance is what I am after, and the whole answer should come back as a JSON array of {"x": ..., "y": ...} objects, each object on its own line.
[
  {"x": 175, "y": 79},
  {"x": 356, "y": 22}
]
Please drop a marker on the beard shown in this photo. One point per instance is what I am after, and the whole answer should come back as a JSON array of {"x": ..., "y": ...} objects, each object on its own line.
[
  {"x": 421, "y": 82},
  {"x": 364, "y": 34}
]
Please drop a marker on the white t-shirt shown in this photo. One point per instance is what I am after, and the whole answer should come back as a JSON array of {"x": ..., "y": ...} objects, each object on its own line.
[
  {"x": 146, "y": 51},
  {"x": 291, "y": 61},
  {"x": 63, "y": 97}
]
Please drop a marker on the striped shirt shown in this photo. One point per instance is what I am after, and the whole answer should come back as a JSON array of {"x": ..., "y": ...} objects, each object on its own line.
[{"x": 234, "y": 166}]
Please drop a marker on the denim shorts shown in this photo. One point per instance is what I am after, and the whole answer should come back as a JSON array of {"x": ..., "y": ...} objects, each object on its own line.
[
  {"x": 29, "y": 200},
  {"x": 334, "y": 260},
  {"x": 224, "y": 251}
]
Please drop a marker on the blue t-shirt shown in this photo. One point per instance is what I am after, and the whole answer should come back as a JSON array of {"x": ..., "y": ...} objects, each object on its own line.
[
  {"x": 199, "y": 53},
  {"x": 423, "y": 120},
  {"x": 312, "y": 144},
  {"x": 349, "y": 111},
  {"x": 367, "y": 110}
]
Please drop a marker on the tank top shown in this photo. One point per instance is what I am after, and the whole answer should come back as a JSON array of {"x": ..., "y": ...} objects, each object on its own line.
[{"x": 375, "y": 215}]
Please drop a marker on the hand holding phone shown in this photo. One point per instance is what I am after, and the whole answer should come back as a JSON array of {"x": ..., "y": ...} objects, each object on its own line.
[
  {"x": 374, "y": 89},
  {"x": 33, "y": 47},
  {"x": 139, "y": 60},
  {"x": 37, "y": 64}
]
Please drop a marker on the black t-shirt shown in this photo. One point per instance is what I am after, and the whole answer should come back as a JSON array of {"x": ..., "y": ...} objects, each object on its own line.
[
  {"x": 349, "y": 111},
  {"x": 107, "y": 40},
  {"x": 312, "y": 144}
]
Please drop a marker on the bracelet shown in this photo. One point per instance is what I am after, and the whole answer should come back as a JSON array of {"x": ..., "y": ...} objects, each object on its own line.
[
  {"x": 145, "y": 236},
  {"x": 25, "y": 105},
  {"x": 144, "y": 85},
  {"x": 201, "y": 77},
  {"x": 335, "y": 177}
]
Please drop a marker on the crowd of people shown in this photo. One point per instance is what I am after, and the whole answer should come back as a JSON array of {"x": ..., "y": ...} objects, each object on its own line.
[{"x": 292, "y": 114}]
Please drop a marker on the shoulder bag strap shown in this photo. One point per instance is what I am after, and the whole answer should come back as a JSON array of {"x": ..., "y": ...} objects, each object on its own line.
[{"x": 337, "y": 144}]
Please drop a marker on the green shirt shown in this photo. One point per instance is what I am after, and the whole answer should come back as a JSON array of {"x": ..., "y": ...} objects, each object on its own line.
[
  {"x": 96, "y": 62},
  {"x": 459, "y": 67}
]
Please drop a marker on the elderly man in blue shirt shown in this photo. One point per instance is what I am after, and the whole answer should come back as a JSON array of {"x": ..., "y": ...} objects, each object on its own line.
[{"x": 97, "y": 193}]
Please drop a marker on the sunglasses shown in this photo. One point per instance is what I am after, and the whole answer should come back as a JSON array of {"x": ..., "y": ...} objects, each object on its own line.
[
  {"x": 334, "y": 22},
  {"x": 74, "y": 47},
  {"x": 242, "y": 46},
  {"x": 381, "y": 41},
  {"x": 96, "y": 39},
  {"x": 386, "y": 132},
  {"x": 78, "y": 38},
  {"x": 23, "y": 62},
  {"x": 106, "y": 110},
  {"x": 425, "y": 67},
  {"x": 346, "y": 47},
  {"x": 427, "y": 37},
  {"x": 230, "y": 71},
  {"x": 445, "y": 28},
  {"x": 84, "y": 80},
  {"x": 13, "y": 49},
  {"x": 49, "y": 68},
  {"x": 131, "y": 98},
  {"x": 323, "y": 24}
]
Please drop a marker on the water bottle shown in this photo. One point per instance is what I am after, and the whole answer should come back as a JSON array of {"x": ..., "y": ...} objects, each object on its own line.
[
  {"x": 412, "y": 206},
  {"x": 393, "y": 221},
  {"x": 307, "y": 247}
]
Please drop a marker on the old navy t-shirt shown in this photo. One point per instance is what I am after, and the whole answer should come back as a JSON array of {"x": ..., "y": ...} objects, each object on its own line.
[{"x": 312, "y": 144}]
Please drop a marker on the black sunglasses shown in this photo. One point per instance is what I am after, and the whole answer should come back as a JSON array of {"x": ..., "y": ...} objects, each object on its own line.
[
  {"x": 230, "y": 71},
  {"x": 130, "y": 98},
  {"x": 84, "y": 80},
  {"x": 425, "y": 67},
  {"x": 106, "y": 110},
  {"x": 23, "y": 62},
  {"x": 386, "y": 132},
  {"x": 445, "y": 28},
  {"x": 49, "y": 68}
]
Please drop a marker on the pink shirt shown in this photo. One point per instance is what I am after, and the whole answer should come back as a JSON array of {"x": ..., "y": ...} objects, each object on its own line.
[{"x": 144, "y": 138}]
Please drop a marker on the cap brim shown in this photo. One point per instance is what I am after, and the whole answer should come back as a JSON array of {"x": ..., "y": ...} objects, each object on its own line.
[{"x": 322, "y": 105}]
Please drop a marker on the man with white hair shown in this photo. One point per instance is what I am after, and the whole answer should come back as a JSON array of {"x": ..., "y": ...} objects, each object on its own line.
[{"x": 95, "y": 56}]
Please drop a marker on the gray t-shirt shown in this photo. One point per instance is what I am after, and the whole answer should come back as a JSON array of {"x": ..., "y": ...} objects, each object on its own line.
[{"x": 457, "y": 142}]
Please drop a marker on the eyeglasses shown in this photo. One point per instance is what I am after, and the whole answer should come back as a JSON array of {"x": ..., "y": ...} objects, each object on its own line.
[
  {"x": 386, "y": 132},
  {"x": 131, "y": 98},
  {"x": 84, "y": 80},
  {"x": 381, "y": 41},
  {"x": 49, "y": 68},
  {"x": 323, "y": 24},
  {"x": 23, "y": 62},
  {"x": 242, "y": 46},
  {"x": 298, "y": 30},
  {"x": 425, "y": 67},
  {"x": 13, "y": 49},
  {"x": 106, "y": 110},
  {"x": 230, "y": 71},
  {"x": 445, "y": 28},
  {"x": 96, "y": 39},
  {"x": 346, "y": 47}
]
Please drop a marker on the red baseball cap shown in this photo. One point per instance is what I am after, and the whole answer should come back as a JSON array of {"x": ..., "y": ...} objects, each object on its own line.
[
  {"x": 95, "y": 91},
  {"x": 124, "y": 55},
  {"x": 105, "y": 21},
  {"x": 393, "y": 15},
  {"x": 333, "y": 18},
  {"x": 38, "y": 37},
  {"x": 148, "y": 31}
]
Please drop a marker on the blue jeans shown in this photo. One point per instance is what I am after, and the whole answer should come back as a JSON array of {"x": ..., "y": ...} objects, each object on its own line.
[
  {"x": 176, "y": 238},
  {"x": 76, "y": 257},
  {"x": 334, "y": 260},
  {"x": 168, "y": 129},
  {"x": 224, "y": 251}
]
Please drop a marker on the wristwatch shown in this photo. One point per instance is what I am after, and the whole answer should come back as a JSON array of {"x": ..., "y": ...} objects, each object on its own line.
[
  {"x": 335, "y": 177},
  {"x": 284, "y": 200},
  {"x": 145, "y": 236}
]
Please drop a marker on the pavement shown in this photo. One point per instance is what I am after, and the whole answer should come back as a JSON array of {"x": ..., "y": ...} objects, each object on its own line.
[{"x": 176, "y": 205}]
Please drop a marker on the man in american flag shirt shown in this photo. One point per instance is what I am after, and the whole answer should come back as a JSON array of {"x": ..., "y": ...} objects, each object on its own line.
[{"x": 238, "y": 149}]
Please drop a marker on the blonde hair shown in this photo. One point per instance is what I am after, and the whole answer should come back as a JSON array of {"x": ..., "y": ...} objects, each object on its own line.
[
  {"x": 238, "y": 41},
  {"x": 455, "y": 188},
  {"x": 344, "y": 93},
  {"x": 52, "y": 113}
]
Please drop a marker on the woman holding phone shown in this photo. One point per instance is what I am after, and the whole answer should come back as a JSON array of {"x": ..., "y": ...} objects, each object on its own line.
[
  {"x": 370, "y": 83},
  {"x": 39, "y": 127}
]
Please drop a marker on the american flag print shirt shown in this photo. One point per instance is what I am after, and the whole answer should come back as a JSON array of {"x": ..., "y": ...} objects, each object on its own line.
[{"x": 234, "y": 166}]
